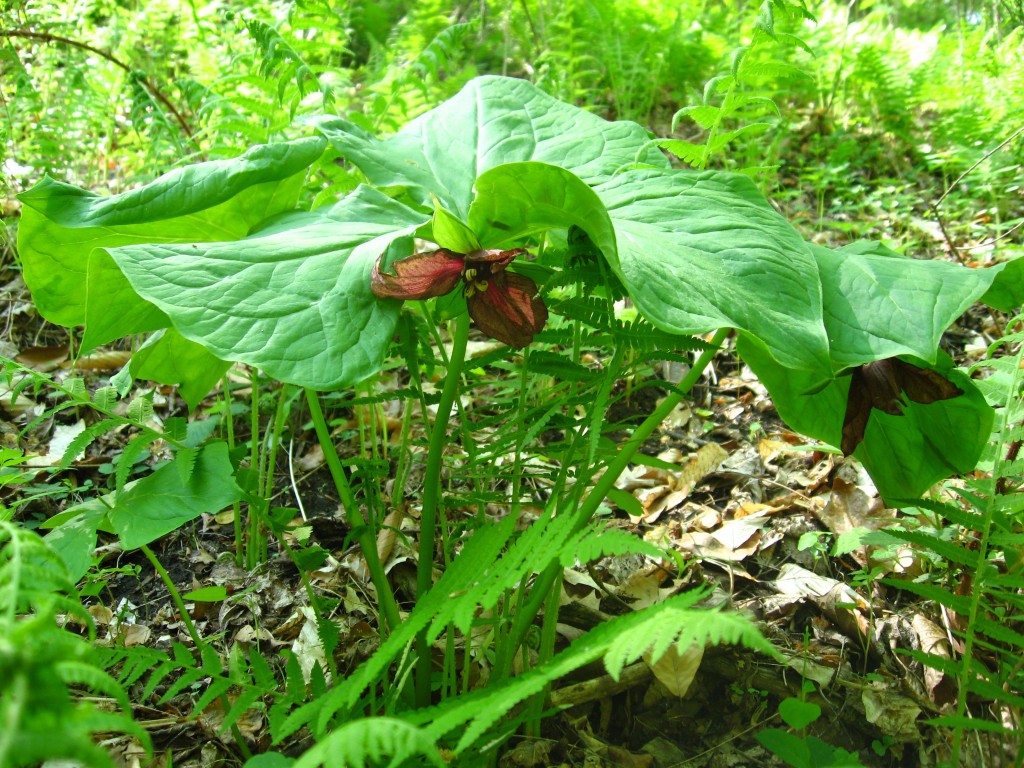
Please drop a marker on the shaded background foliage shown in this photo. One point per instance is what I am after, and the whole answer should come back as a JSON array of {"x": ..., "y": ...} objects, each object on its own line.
[{"x": 883, "y": 105}]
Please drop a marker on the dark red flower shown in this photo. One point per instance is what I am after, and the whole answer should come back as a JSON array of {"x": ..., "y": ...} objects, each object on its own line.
[
  {"x": 883, "y": 384},
  {"x": 503, "y": 305}
]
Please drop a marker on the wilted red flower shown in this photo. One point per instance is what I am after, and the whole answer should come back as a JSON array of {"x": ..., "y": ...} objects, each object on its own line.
[
  {"x": 503, "y": 305},
  {"x": 883, "y": 384}
]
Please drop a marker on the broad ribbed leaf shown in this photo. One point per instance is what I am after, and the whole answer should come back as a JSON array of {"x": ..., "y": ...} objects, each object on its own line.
[
  {"x": 169, "y": 358},
  {"x": 292, "y": 299},
  {"x": 880, "y": 304},
  {"x": 517, "y": 200},
  {"x": 161, "y": 502},
  {"x": 490, "y": 122},
  {"x": 704, "y": 250},
  {"x": 905, "y": 455},
  {"x": 217, "y": 200}
]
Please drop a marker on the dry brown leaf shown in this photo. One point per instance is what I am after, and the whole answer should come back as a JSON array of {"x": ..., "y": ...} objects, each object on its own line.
[
  {"x": 895, "y": 714},
  {"x": 642, "y": 588},
  {"x": 101, "y": 360},
  {"x": 932, "y": 638},
  {"x": 735, "y": 533},
  {"x": 705, "y": 545},
  {"x": 312, "y": 459},
  {"x": 676, "y": 670},
  {"x": 43, "y": 358},
  {"x": 101, "y": 614},
  {"x": 531, "y": 753},
  {"x": 797, "y": 581},
  {"x": 136, "y": 634},
  {"x": 704, "y": 462},
  {"x": 850, "y": 507},
  {"x": 660, "y": 491},
  {"x": 388, "y": 533}
]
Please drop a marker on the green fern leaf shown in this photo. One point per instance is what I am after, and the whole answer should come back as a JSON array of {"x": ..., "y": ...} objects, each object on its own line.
[
  {"x": 441, "y": 51},
  {"x": 958, "y": 603},
  {"x": 368, "y": 742},
  {"x": 447, "y": 597},
  {"x": 477, "y": 712},
  {"x": 129, "y": 454},
  {"x": 952, "y": 552},
  {"x": 140, "y": 409},
  {"x": 608, "y": 543},
  {"x": 84, "y": 439}
]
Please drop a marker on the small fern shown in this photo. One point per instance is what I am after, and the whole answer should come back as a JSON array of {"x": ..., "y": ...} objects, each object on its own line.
[
  {"x": 619, "y": 641},
  {"x": 440, "y": 52},
  {"x": 280, "y": 61},
  {"x": 368, "y": 742},
  {"x": 40, "y": 663}
]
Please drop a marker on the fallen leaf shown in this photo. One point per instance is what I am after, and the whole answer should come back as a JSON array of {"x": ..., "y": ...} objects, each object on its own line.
[
  {"x": 63, "y": 435},
  {"x": 43, "y": 358},
  {"x": 942, "y": 688},
  {"x": 676, "y": 669},
  {"x": 103, "y": 360},
  {"x": 895, "y": 714}
]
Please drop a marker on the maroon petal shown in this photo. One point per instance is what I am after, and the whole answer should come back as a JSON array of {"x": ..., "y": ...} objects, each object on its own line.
[
  {"x": 420, "y": 276},
  {"x": 508, "y": 309},
  {"x": 492, "y": 260}
]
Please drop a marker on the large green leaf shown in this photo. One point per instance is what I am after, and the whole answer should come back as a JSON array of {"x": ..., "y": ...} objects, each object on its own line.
[
  {"x": 161, "y": 502},
  {"x": 1007, "y": 291},
  {"x": 146, "y": 509},
  {"x": 292, "y": 299},
  {"x": 170, "y": 358},
  {"x": 880, "y": 304},
  {"x": 518, "y": 200},
  {"x": 704, "y": 250},
  {"x": 217, "y": 200},
  {"x": 490, "y": 122},
  {"x": 905, "y": 455}
]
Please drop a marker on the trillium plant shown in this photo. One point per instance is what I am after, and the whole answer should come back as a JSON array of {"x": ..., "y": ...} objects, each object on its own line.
[{"x": 502, "y": 205}]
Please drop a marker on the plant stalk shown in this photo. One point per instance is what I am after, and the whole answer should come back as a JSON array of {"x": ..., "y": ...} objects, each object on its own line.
[
  {"x": 365, "y": 535},
  {"x": 539, "y": 593},
  {"x": 198, "y": 641},
  {"x": 432, "y": 495}
]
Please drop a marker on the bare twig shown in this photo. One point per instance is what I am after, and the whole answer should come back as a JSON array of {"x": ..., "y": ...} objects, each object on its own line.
[{"x": 46, "y": 37}]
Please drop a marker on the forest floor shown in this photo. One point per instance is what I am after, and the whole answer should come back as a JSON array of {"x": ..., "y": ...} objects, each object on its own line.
[{"x": 753, "y": 510}]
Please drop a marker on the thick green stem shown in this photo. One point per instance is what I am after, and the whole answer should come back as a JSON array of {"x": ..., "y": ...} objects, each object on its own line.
[
  {"x": 366, "y": 538},
  {"x": 190, "y": 627},
  {"x": 432, "y": 495},
  {"x": 175, "y": 596},
  {"x": 539, "y": 593}
]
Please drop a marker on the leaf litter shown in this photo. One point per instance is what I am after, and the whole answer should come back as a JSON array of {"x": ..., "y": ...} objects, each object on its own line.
[{"x": 748, "y": 509}]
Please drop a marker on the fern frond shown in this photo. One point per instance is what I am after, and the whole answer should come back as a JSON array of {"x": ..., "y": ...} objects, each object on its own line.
[
  {"x": 441, "y": 51},
  {"x": 945, "y": 549},
  {"x": 617, "y": 641},
  {"x": 93, "y": 678},
  {"x": 278, "y": 59},
  {"x": 129, "y": 455},
  {"x": 368, "y": 742},
  {"x": 681, "y": 625},
  {"x": 41, "y": 661},
  {"x": 85, "y": 438},
  {"x": 932, "y": 592},
  {"x": 608, "y": 543}
]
